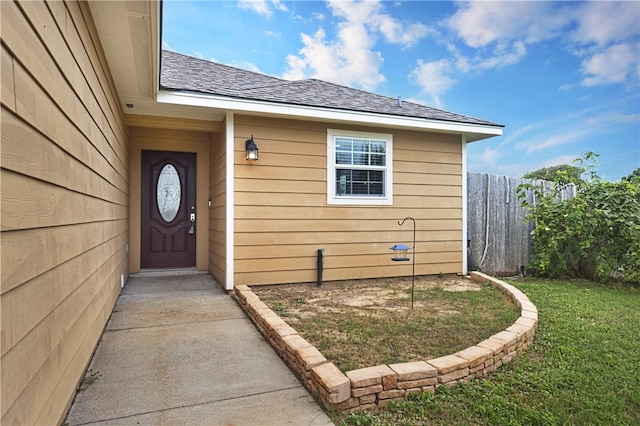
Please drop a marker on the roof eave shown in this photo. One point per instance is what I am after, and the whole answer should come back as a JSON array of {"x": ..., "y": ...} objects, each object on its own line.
[{"x": 473, "y": 132}]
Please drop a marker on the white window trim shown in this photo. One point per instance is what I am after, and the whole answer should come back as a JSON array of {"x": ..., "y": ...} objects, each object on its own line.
[{"x": 387, "y": 200}]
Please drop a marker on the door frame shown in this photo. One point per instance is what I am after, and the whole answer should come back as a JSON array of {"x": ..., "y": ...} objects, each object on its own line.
[{"x": 162, "y": 139}]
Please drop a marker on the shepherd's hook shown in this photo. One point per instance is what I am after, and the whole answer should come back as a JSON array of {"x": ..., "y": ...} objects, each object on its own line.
[{"x": 413, "y": 266}]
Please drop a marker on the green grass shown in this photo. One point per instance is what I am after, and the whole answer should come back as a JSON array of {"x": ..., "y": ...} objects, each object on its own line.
[
  {"x": 443, "y": 321},
  {"x": 413, "y": 335},
  {"x": 583, "y": 368}
]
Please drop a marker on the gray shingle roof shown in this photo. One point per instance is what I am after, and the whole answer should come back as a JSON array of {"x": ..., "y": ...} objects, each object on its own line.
[{"x": 186, "y": 73}]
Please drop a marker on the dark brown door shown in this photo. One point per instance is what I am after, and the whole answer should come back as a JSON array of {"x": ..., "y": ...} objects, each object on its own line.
[{"x": 168, "y": 209}]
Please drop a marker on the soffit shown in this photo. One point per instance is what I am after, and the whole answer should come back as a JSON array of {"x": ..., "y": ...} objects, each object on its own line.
[{"x": 129, "y": 32}]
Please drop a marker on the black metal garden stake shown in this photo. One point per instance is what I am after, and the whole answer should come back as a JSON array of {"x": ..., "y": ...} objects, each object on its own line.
[{"x": 400, "y": 246}]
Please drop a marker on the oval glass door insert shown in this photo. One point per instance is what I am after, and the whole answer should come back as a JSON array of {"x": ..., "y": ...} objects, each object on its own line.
[{"x": 168, "y": 192}]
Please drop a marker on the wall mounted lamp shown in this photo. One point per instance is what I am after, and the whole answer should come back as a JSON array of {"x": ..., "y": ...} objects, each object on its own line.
[{"x": 252, "y": 149}]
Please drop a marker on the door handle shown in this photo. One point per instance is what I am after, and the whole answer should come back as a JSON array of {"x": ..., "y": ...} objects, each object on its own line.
[{"x": 192, "y": 218}]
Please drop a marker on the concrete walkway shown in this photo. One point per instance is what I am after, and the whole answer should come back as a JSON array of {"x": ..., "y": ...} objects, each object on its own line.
[{"x": 178, "y": 350}]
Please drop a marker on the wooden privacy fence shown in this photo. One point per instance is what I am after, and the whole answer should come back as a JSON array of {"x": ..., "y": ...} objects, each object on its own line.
[{"x": 500, "y": 241}]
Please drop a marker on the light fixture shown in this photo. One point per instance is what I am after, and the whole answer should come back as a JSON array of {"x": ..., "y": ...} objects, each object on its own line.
[{"x": 252, "y": 149}]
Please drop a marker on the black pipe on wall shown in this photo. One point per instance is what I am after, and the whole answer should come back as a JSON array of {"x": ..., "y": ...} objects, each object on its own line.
[{"x": 320, "y": 265}]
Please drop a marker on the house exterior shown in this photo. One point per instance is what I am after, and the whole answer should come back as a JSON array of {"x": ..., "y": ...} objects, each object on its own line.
[{"x": 117, "y": 157}]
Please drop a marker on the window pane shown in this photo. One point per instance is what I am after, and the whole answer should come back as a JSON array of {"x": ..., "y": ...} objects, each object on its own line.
[
  {"x": 378, "y": 147},
  {"x": 378, "y": 154},
  {"x": 360, "y": 182},
  {"x": 360, "y": 159},
  {"x": 343, "y": 144},
  {"x": 377, "y": 160},
  {"x": 343, "y": 157},
  {"x": 343, "y": 179},
  {"x": 168, "y": 192},
  {"x": 361, "y": 152},
  {"x": 374, "y": 183},
  {"x": 376, "y": 188},
  {"x": 360, "y": 145}
]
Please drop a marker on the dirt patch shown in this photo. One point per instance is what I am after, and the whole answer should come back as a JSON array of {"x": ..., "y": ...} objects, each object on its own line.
[
  {"x": 386, "y": 294},
  {"x": 360, "y": 323}
]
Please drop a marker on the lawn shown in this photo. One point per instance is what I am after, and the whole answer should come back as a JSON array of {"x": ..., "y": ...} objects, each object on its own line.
[
  {"x": 341, "y": 318},
  {"x": 583, "y": 368}
]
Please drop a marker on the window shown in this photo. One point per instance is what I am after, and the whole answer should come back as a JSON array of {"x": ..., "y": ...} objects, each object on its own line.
[{"x": 359, "y": 168}]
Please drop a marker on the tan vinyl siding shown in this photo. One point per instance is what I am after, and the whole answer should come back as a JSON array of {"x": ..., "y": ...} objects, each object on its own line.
[
  {"x": 218, "y": 209},
  {"x": 282, "y": 216},
  {"x": 65, "y": 204}
]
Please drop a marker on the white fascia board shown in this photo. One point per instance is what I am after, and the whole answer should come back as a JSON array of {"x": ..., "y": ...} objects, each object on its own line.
[
  {"x": 475, "y": 131},
  {"x": 465, "y": 213},
  {"x": 230, "y": 207}
]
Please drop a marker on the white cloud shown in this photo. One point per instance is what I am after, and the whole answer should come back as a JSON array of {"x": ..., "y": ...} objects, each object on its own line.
[
  {"x": 607, "y": 34},
  {"x": 489, "y": 156},
  {"x": 511, "y": 168},
  {"x": 556, "y": 161},
  {"x": 245, "y": 65},
  {"x": 604, "y": 34},
  {"x": 604, "y": 22},
  {"x": 436, "y": 77},
  {"x": 262, "y": 7},
  {"x": 370, "y": 15},
  {"x": 569, "y": 128},
  {"x": 501, "y": 31},
  {"x": 397, "y": 33},
  {"x": 166, "y": 46},
  {"x": 347, "y": 61},
  {"x": 613, "y": 118},
  {"x": 350, "y": 58},
  {"x": 503, "y": 56},
  {"x": 626, "y": 119},
  {"x": 612, "y": 65},
  {"x": 560, "y": 138},
  {"x": 433, "y": 78},
  {"x": 463, "y": 64},
  {"x": 482, "y": 23},
  {"x": 498, "y": 31}
]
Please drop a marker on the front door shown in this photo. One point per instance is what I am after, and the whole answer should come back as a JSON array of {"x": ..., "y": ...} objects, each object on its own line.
[{"x": 168, "y": 210}]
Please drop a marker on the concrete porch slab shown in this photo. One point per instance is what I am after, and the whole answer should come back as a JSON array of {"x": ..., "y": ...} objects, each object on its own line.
[{"x": 178, "y": 350}]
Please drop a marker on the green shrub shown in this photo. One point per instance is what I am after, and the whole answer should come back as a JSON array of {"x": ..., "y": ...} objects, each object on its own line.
[{"x": 595, "y": 235}]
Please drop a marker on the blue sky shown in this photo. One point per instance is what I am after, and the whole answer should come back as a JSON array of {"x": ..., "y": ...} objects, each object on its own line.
[{"x": 563, "y": 77}]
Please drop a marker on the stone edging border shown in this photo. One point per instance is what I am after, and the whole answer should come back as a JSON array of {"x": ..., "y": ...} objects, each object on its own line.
[{"x": 369, "y": 387}]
